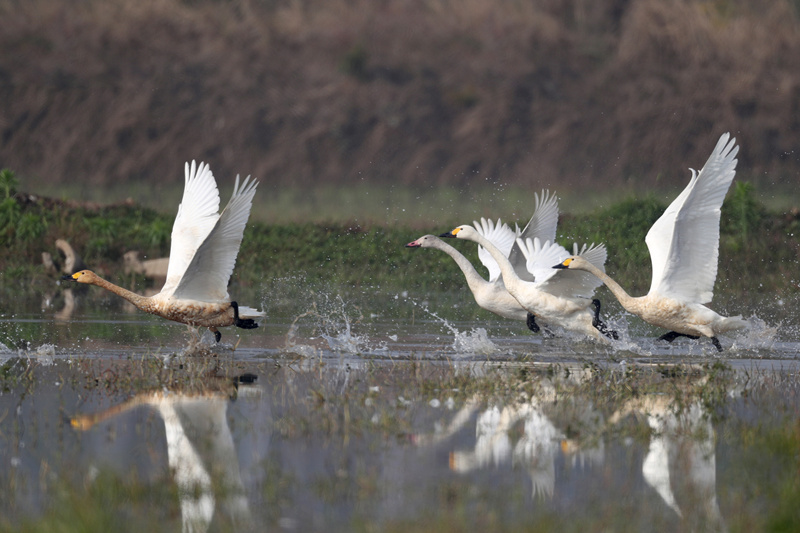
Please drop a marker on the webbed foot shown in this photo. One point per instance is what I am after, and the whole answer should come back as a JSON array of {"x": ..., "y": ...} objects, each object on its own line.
[
  {"x": 244, "y": 323},
  {"x": 672, "y": 335},
  {"x": 532, "y": 325},
  {"x": 601, "y": 326},
  {"x": 716, "y": 343}
]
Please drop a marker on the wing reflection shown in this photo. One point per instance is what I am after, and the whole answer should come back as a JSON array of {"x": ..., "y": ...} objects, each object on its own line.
[
  {"x": 537, "y": 446},
  {"x": 200, "y": 449},
  {"x": 681, "y": 462}
]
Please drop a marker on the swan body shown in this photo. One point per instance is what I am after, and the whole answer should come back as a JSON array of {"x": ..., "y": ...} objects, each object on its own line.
[
  {"x": 492, "y": 295},
  {"x": 203, "y": 252},
  {"x": 559, "y": 300},
  {"x": 684, "y": 251}
]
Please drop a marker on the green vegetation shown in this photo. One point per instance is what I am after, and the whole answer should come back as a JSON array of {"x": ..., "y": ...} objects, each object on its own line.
[{"x": 758, "y": 248}]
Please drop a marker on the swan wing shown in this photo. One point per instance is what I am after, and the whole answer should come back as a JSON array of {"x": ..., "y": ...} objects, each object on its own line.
[
  {"x": 542, "y": 226},
  {"x": 197, "y": 214},
  {"x": 501, "y": 236},
  {"x": 562, "y": 282},
  {"x": 206, "y": 278},
  {"x": 684, "y": 241}
]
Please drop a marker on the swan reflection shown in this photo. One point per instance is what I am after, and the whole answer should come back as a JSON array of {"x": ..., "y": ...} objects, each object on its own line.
[
  {"x": 200, "y": 449},
  {"x": 536, "y": 449},
  {"x": 536, "y": 433},
  {"x": 680, "y": 464}
]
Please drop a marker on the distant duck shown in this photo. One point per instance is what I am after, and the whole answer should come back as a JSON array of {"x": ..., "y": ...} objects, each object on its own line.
[
  {"x": 205, "y": 244},
  {"x": 559, "y": 300},
  {"x": 492, "y": 294},
  {"x": 684, "y": 251}
]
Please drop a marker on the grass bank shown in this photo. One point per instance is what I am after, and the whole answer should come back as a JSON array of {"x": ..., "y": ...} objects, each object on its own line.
[{"x": 758, "y": 252}]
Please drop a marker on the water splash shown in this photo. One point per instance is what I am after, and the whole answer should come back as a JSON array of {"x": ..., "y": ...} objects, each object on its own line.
[
  {"x": 758, "y": 336},
  {"x": 335, "y": 324},
  {"x": 475, "y": 342}
]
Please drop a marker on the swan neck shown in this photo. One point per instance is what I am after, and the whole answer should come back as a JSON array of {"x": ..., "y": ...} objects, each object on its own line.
[
  {"x": 136, "y": 299},
  {"x": 509, "y": 275},
  {"x": 472, "y": 275},
  {"x": 627, "y": 301}
]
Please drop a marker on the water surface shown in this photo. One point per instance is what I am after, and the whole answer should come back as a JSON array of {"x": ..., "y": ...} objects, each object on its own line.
[{"x": 390, "y": 414}]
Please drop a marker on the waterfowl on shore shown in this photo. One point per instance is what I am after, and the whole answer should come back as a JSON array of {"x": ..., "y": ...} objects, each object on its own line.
[
  {"x": 684, "y": 251},
  {"x": 492, "y": 294},
  {"x": 204, "y": 247},
  {"x": 560, "y": 301}
]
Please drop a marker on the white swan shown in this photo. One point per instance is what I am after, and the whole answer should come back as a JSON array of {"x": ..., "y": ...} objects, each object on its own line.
[
  {"x": 492, "y": 295},
  {"x": 205, "y": 244},
  {"x": 559, "y": 300},
  {"x": 684, "y": 251}
]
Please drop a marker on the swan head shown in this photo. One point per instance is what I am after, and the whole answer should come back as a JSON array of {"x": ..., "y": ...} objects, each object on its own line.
[
  {"x": 461, "y": 232},
  {"x": 426, "y": 241},
  {"x": 82, "y": 276},
  {"x": 574, "y": 262}
]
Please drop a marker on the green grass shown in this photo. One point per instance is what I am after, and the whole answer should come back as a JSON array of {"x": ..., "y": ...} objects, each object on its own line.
[{"x": 758, "y": 248}]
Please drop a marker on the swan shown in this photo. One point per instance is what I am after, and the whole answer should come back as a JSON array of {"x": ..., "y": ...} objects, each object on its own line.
[
  {"x": 492, "y": 295},
  {"x": 559, "y": 300},
  {"x": 684, "y": 251},
  {"x": 204, "y": 247}
]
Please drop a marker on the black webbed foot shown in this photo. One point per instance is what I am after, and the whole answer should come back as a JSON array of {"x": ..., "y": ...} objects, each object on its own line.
[
  {"x": 244, "y": 323},
  {"x": 532, "y": 325},
  {"x": 600, "y": 325},
  {"x": 716, "y": 343},
  {"x": 672, "y": 335},
  {"x": 217, "y": 334}
]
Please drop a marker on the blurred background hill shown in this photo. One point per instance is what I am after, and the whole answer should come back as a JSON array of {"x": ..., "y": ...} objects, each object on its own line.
[{"x": 579, "y": 95}]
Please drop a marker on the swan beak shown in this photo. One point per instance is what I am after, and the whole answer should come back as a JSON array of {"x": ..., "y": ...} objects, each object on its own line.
[
  {"x": 413, "y": 244},
  {"x": 565, "y": 264},
  {"x": 449, "y": 234},
  {"x": 67, "y": 277}
]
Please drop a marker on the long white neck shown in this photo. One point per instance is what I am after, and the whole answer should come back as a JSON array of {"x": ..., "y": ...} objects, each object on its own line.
[
  {"x": 474, "y": 279},
  {"x": 510, "y": 277},
  {"x": 630, "y": 303}
]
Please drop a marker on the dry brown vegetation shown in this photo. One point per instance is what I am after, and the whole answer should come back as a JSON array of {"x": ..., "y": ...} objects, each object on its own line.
[{"x": 568, "y": 93}]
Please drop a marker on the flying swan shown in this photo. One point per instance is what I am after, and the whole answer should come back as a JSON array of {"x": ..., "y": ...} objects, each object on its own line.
[
  {"x": 559, "y": 300},
  {"x": 201, "y": 260},
  {"x": 492, "y": 295},
  {"x": 684, "y": 251}
]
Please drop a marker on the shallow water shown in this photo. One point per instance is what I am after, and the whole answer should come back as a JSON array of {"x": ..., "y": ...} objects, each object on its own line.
[{"x": 390, "y": 414}]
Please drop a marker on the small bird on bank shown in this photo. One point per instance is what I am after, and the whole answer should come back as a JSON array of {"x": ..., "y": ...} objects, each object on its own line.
[
  {"x": 202, "y": 256},
  {"x": 684, "y": 251}
]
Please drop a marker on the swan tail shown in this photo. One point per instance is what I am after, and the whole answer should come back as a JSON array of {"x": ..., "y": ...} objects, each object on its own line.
[{"x": 249, "y": 312}]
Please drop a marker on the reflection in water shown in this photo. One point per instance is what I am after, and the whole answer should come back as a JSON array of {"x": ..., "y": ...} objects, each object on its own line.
[
  {"x": 200, "y": 449},
  {"x": 681, "y": 462},
  {"x": 539, "y": 444}
]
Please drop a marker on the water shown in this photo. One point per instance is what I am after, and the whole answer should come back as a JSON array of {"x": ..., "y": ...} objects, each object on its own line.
[{"x": 385, "y": 413}]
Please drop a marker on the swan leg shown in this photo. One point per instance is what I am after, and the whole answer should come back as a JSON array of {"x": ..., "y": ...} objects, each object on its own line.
[
  {"x": 716, "y": 343},
  {"x": 532, "y": 325},
  {"x": 244, "y": 323},
  {"x": 217, "y": 334},
  {"x": 601, "y": 326},
  {"x": 672, "y": 335}
]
